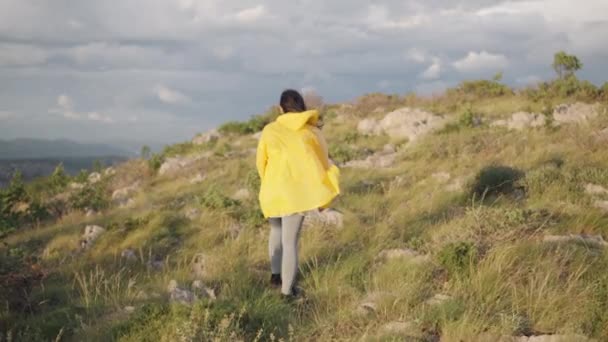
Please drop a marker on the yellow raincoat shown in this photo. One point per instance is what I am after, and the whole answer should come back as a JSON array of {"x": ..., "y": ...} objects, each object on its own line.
[{"x": 294, "y": 167}]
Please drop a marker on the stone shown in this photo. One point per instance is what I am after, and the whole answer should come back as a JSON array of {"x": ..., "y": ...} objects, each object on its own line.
[
  {"x": 199, "y": 178},
  {"x": 241, "y": 195},
  {"x": 597, "y": 240},
  {"x": 193, "y": 214},
  {"x": 575, "y": 113},
  {"x": 403, "y": 253},
  {"x": 601, "y": 205},
  {"x": 441, "y": 177},
  {"x": 90, "y": 213},
  {"x": 91, "y": 233},
  {"x": 438, "y": 299},
  {"x": 257, "y": 136},
  {"x": 128, "y": 254},
  {"x": 389, "y": 149},
  {"x": 156, "y": 264},
  {"x": 180, "y": 295},
  {"x": 235, "y": 230},
  {"x": 76, "y": 186},
  {"x": 122, "y": 196},
  {"x": 175, "y": 164},
  {"x": 327, "y": 217},
  {"x": 594, "y": 189},
  {"x": 203, "y": 291},
  {"x": 410, "y": 123},
  {"x": 109, "y": 172},
  {"x": 375, "y": 161},
  {"x": 399, "y": 328},
  {"x": 522, "y": 120},
  {"x": 199, "y": 265},
  {"x": 94, "y": 177},
  {"x": 369, "y": 305},
  {"x": 206, "y": 137},
  {"x": 368, "y": 126},
  {"x": 602, "y": 136},
  {"x": 129, "y": 309}
]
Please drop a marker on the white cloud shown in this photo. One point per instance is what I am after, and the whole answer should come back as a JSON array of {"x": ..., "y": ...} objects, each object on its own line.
[
  {"x": 251, "y": 14},
  {"x": 378, "y": 18},
  {"x": 223, "y": 52},
  {"x": 66, "y": 109},
  {"x": 482, "y": 61},
  {"x": 416, "y": 55},
  {"x": 433, "y": 72},
  {"x": 22, "y": 55},
  {"x": 4, "y": 114},
  {"x": 170, "y": 96}
]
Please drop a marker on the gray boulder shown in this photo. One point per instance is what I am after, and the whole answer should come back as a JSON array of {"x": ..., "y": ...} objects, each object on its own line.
[
  {"x": 575, "y": 113},
  {"x": 91, "y": 233},
  {"x": 325, "y": 218},
  {"x": 522, "y": 120},
  {"x": 206, "y": 137}
]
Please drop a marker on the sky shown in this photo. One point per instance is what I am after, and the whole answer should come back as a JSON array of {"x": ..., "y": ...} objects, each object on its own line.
[{"x": 164, "y": 70}]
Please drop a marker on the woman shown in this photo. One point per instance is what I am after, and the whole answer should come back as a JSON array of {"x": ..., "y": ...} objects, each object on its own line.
[{"x": 297, "y": 177}]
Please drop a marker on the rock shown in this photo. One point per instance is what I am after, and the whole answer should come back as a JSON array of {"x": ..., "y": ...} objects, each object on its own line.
[
  {"x": 193, "y": 214},
  {"x": 156, "y": 264},
  {"x": 90, "y": 213},
  {"x": 410, "y": 123},
  {"x": 441, "y": 177},
  {"x": 602, "y": 136},
  {"x": 601, "y": 205},
  {"x": 94, "y": 177},
  {"x": 122, "y": 196},
  {"x": 455, "y": 186},
  {"x": 522, "y": 120},
  {"x": 199, "y": 265},
  {"x": 91, "y": 233},
  {"x": 593, "y": 189},
  {"x": 399, "y": 328},
  {"x": 257, "y": 136},
  {"x": 109, "y": 172},
  {"x": 76, "y": 186},
  {"x": 176, "y": 164},
  {"x": 206, "y": 137},
  {"x": 582, "y": 238},
  {"x": 327, "y": 217},
  {"x": 179, "y": 295},
  {"x": 368, "y": 127},
  {"x": 370, "y": 303},
  {"x": 241, "y": 195},
  {"x": 403, "y": 253},
  {"x": 202, "y": 291},
  {"x": 199, "y": 178},
  {"x": 375, "y": 161},
  {"x": 389, "y": 149},
  {"x": 438, "y": 299},
  {"x": 129, "y": 309},
  {"x": 575, "y": 113},
  {"x": 128, "y": 254},
  {"x": 235, "y": 230}
]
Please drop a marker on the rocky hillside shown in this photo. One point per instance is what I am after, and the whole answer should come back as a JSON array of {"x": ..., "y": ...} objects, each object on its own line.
[{"x": 464, "y": 217}]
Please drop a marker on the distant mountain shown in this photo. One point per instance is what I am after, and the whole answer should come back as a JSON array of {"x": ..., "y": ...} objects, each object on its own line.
[{"x": 25, "y": 148}]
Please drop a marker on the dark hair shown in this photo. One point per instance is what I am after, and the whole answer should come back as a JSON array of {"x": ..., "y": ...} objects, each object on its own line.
[{"x": 292, "y": 102}]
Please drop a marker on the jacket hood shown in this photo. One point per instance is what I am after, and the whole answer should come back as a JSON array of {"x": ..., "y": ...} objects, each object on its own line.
[{"x": 295, "y": 121}]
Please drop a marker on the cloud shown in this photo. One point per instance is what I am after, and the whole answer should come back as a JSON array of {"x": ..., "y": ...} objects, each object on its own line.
[
  {"x": 416, "y": 55},
  {"x": 170, "y": 96},
  {"x": 22, "y": 55},
  {"x": 251, "y": 14},
  {"x": 4, "y": 115},
  {"x": 433, "y": 72},
  {"x": 482, "y": 61},
  {"x": 66, "y": 109},
  {"x": 378, "y": 18}
]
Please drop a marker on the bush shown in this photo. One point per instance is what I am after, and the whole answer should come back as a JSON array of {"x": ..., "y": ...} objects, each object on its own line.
[
  {"x": 480, "y": 89},
  {"x": 255, "y": 124},
  {"x": 342, "y": 153},
  {"x": 495, "y": 180},
  {"x": 92, "y": 196},
  {"x": 215, "y": 199},
  {"x": 155, "y": 162},
  {"x": 457, "y": 258}
]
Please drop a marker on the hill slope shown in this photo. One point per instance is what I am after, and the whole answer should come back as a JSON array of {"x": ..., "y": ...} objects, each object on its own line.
[{"x": 458, "y": 221}]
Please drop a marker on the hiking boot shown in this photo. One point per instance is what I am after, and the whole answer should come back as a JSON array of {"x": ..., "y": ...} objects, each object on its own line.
[{"x": 275, "y": 281}]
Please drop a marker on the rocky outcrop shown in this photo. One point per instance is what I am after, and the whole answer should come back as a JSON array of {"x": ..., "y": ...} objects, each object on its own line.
[
  {"x": 180, "y": 295},
  {"x": 325, "y": 218},
  {"x": 410, "y": 123},
  {"x": 595, "y": 190},
  {"x": 596, "y": 240},
  {"x": 241, "y": 195},
  {"x": 176, "y": 164},
  {"x": 94, "y": 177},
  {"x": 199, "y": 266},
  {"x": 522, "y": 120},
  {"x": 122, "y": 197},
  {"x": 575, "y": 113},
  {"x": 206, "y": 137},
  {"x": 91, "y": 233},
  {"x": 379, "y": 160}
]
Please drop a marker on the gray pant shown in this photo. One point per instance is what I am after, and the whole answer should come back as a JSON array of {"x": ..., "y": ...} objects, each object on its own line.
[{"x": 283, "y": 247}]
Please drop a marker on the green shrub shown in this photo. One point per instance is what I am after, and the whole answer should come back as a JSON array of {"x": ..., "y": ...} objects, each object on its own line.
[
  {"x": 215, "y": 199},
  {"x": 457, "y": 258},
  {"x": 467, "y": 117},
  {"x": 155, "y": 162},
  {"x": 92, "y": 196},
  {"x": 253, "y": 125},
  {"x": 59, "y": 179},
  {"x": 342, "y": 153},
  {"x": 495, "y": 180},
  {"x": 480, "y": 89}
]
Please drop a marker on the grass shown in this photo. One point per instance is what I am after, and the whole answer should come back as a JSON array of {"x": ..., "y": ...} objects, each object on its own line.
[{"x": 483, "y": 241}]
